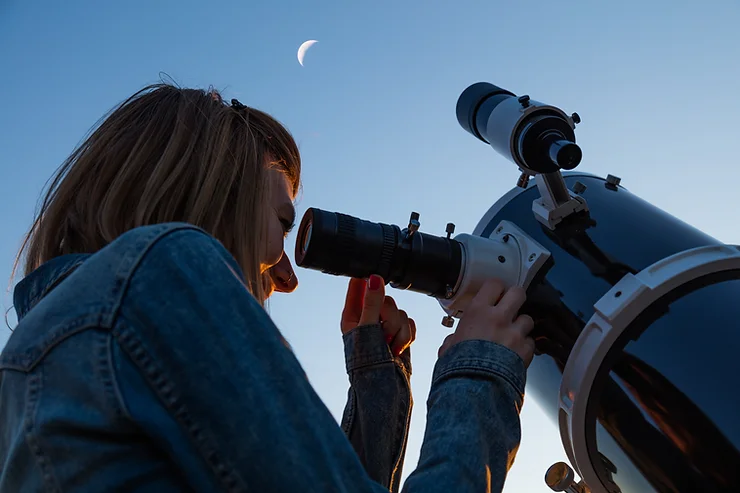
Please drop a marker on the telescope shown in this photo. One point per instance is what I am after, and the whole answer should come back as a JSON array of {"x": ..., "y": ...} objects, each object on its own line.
[{"x": 636, "y": 312}]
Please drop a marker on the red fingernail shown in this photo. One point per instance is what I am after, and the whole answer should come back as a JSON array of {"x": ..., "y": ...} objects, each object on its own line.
[{"x": 374, "y": 282}]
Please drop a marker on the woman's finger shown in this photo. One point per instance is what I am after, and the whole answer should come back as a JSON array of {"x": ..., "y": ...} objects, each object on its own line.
[
  {"x": 353, "y": 303},
  {"x": 529, "y": 352},
  {"x": 372, "y": 303},
  {"x": 446, "y": 344},
  {"x": 489, "y": 293},
  {"x": 512, "y": 301},
  {"x": 403, "y": 337},
  {"x": 524, "y": 323},
  {"x": 390, "y": 318}
]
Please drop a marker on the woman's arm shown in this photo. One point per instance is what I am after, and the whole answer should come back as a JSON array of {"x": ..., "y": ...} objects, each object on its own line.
[
  {"x": 378, "y": 412},
  {"x": 202, "y": 368}
]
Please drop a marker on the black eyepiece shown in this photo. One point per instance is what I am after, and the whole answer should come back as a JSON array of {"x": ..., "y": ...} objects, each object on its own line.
[
  {"x": 339, "y": 244},
  {"x": 565, "y": 154}
]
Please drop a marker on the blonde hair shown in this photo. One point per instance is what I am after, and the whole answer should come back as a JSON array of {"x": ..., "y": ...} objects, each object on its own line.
[{"x": 167, "y": 154}]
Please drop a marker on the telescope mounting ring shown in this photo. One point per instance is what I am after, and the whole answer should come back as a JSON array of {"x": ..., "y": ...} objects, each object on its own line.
[{"x": 614, "y": 312}]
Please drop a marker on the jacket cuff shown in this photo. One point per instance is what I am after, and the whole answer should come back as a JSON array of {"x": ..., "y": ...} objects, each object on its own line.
[
  {"x": 365, "y": 346},
  {"x": 484, "y": 359}
]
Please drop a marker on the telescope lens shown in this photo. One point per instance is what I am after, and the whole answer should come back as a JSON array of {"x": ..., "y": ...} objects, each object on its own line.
[
  {"x": 475, "y": 105},
  {"x": 338, "y": 244},
  {"x": 306, "y": 240}
]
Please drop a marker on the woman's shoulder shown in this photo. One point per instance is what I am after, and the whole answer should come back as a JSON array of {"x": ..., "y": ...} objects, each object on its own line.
[
  {"x": 161, "y": 249},
  {"x": 177, "y": 258},
  {"x": 174, "y": 247},
  {"x": 72, "y": 293},
  {"x": 157, "y": 239}
]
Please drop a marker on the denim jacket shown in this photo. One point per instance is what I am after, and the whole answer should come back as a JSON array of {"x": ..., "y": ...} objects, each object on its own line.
[{"x": 149, "y": 367}]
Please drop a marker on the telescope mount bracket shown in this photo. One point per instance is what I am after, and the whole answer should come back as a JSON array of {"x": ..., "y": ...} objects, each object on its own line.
[{"x": 556, "y": 202}]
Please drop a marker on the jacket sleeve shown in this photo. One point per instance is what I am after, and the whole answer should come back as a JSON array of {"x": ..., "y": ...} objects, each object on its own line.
[
  {"x": 240, "y": 411},
  {"x": 378, "y": 412},
  {"x": 473, "y": 429}
]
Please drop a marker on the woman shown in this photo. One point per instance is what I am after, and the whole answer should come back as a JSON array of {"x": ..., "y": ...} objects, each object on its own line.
[{"x": 143, "y": 359}]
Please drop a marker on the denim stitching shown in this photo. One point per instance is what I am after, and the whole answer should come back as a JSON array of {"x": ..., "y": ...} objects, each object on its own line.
[
  {"x": 378, "y": 355},
  {"x": 37, "y": 292},
  {"x": 28, "y": 360},
  {"x": 370, "y": 364},
  {"x": 348, "y": 420},
  {"x": 35, "y": 382},
  {"x": 462, "y": 368},
  {"x": 164, "y": 388},
  {"x": 130, "y": 263},
  {"x": 108, "y": 375}
]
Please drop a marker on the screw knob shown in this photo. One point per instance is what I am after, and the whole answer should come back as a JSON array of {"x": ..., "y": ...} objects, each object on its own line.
[
  {"x": 448, "y": 321},
  {"x": 414, "y": 223},
  {"x": 559, "y": 477},
  {"x": 524, "y": 101}
]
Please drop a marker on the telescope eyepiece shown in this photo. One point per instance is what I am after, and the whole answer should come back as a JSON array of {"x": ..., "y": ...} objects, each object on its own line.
[
  {"x": 343, "y": 245},
  {"x": 565, "y": 154}
]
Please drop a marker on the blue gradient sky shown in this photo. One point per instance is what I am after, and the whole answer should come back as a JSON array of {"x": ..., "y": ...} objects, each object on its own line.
[{"x": 373, "y": 111}]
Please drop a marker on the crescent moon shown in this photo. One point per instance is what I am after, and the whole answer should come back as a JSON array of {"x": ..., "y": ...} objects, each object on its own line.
[{"x": 304, "y": 48}]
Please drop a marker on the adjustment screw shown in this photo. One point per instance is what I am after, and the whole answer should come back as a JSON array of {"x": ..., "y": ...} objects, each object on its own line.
[
  {"x": 613, "y": 180},
  {"x": 579, "y": 188},
  {"x": 414, "y": 223},
  {"x": 450, "y": 229},
  {"x": 576, "y": 118},
  {"x": 501, "y": 259},
  {"x": 524, "y": 101},
  {"x": 532, "y": 257},
  {"x": 506, "y": 238},
  {"x": 448, "y": 321},
  {"x": 560, "y": 477},
  {"x": 523, "y": 180}
]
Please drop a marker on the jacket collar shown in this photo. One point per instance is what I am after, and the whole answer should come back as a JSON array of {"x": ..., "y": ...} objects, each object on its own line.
[{"x": 32, "y": 288}]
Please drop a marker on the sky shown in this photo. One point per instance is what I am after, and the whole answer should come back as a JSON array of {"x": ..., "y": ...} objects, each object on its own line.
[{"x": 373, "y": 111}]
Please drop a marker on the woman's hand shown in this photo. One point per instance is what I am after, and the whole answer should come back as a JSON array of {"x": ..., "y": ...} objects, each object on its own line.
[
  {"x": 493, "y": 315},
  {"x": 367, "y": 304}
]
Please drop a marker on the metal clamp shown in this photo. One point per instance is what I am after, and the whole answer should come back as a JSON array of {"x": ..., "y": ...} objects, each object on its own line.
[
  {"x": 613, "y": 314},
  {"x": 509, "y": 254},
  {"x": 556, "y": 202}
]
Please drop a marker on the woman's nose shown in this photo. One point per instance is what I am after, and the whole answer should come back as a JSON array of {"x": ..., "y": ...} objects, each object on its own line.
[{"x": 283, "y": 276}]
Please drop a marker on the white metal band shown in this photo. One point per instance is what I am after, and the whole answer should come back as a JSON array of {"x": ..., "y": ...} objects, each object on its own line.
[{"x": 613, "y": 314}]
